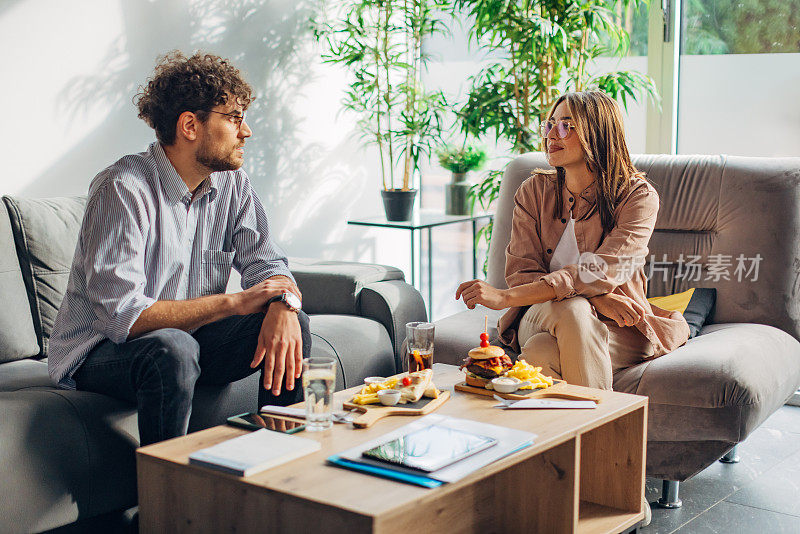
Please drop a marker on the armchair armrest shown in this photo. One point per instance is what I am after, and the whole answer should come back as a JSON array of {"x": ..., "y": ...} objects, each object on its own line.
[
  {"x": 376, "y": 292},
  {"x": 333, "y": 287}
]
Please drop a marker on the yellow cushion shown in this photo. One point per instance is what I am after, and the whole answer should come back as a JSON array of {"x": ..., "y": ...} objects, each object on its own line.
[
  {"x": 696, "y": 305},
  {"x": 676, "y": 302}
]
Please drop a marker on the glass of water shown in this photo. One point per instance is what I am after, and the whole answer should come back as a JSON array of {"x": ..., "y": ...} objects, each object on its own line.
[
  {"x": 419, "y": 346},
  {"x": 319, "y": 378}
]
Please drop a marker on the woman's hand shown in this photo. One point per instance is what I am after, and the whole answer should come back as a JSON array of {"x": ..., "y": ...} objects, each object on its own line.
[
  {"x": 477, "y": 292},
  {"x": 619, "y": 308}
]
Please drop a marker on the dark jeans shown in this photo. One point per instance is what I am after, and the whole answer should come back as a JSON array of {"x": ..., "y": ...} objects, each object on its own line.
[{"x": 158, "y": 371}]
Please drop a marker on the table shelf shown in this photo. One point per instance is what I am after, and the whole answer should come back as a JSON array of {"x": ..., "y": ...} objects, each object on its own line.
[{"x": 596, "y": 518}]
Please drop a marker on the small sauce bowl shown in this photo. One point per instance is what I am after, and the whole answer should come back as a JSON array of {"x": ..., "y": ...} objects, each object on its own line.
[
  {"x": 389, "y": 397},
  {"x": 507, "y": 384},
  {"x": 374, "y": 380}
]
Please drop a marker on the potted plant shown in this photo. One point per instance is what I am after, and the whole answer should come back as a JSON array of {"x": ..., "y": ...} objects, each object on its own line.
[
  {"x": 539, "y": 48},
  {"x": 380, "y": 44},
  {"x": 459, "y": 160}
]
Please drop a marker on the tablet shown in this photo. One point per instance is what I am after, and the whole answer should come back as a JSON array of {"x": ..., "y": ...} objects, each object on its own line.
[{"x": 430, "y": 449}]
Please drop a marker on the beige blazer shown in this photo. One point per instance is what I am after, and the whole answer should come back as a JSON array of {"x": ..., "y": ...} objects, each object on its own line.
[{"x": 617, "y": 262}]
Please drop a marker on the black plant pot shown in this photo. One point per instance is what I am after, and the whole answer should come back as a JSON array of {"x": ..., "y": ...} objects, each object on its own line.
[
  {"x": 457, "y": 195},
  {"x": 398, "y": 204}
]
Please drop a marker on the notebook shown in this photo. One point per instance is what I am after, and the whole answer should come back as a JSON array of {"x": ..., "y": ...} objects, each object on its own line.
[
  {"x": 391, "y": 472},
  {"x": 254, "y": 452}
]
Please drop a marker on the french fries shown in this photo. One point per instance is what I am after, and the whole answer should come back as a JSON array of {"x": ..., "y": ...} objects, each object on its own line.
[
  {"x": 367, "y": 398},
  {"x": 522, "y": 370},
  {"x": 369, "y": 393},
  {"x": 389, "y": 383}
]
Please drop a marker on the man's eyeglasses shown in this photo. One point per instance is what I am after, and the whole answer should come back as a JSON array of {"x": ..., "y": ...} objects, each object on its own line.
[
  {"x": 562, "y": 128},
  {"x": 237, "y": 119}
]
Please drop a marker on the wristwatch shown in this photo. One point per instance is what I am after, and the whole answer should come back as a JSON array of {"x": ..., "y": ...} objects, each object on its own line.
[{"x": 289, "y": 299}]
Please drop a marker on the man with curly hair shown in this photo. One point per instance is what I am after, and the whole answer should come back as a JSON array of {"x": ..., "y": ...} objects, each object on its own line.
[{"x": 145, "y": 316}]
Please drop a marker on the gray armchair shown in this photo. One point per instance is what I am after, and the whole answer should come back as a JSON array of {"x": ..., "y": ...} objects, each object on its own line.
[{"x": 710, "y": 394}]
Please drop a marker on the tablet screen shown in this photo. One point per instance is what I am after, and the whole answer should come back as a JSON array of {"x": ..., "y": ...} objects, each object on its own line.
[{"x": 430, "y": 448}]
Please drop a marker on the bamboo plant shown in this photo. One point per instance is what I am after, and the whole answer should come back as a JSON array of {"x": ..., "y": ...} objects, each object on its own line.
[
  {"x": 540, "y": 48},
  {"x": 380, "y": 44}
]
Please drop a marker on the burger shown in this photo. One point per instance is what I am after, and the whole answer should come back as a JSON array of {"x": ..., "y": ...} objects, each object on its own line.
[{"x": 484, "y": 364}]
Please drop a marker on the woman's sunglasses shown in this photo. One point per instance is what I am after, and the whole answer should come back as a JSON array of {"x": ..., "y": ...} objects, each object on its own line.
[{"x": 561, "y": 127}]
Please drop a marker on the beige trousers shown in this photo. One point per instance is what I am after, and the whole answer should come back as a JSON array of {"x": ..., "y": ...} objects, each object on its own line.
[{"x": 568, "y": 341}]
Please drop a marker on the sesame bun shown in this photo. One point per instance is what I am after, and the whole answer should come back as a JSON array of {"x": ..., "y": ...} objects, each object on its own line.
[{"x": 484, "y": 353}]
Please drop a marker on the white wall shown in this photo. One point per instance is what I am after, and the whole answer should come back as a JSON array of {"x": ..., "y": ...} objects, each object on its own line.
[{"x": 70, "y": 70}]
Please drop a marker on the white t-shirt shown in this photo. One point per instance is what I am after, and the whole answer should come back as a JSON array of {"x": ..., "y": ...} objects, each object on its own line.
[{"x": 566, "y": 252}]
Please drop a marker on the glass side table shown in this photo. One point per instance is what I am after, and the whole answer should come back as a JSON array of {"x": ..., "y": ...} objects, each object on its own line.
[{"x": 427, "y": 220}]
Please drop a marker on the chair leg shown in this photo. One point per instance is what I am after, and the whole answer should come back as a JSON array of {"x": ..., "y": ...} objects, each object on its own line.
[
  {"x": 731, "y": 457},
  {"x": 669, "y": 495}
]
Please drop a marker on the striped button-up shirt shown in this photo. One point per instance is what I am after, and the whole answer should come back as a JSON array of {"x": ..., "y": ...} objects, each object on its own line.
[{"x": 146, "y": 237}]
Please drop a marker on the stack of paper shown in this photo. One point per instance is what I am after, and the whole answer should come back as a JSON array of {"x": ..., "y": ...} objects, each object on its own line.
[
  {"x": 254, "y": 452},
  {"x": 509, "y": 441},
  {"x": 546, "y": 404}
]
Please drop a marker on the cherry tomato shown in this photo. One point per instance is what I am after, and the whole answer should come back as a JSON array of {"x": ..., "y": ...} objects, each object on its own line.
[
  {"x": 484, "y": 343},
  {"x": 484, "y": 336},
  {"x": 406, "y": 380}
]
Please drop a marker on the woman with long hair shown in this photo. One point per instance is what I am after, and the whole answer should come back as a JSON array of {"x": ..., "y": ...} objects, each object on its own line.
[{"x": 575, "y": 263}]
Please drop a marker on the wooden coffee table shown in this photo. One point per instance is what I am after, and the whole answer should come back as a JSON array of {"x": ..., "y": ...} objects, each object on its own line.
[{"x": 584, "y": 473}]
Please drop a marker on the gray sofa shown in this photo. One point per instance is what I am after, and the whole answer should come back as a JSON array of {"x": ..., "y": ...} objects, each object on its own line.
[
  {"x": 66, "y": 456},
  {"x": 710, "y": 394}
]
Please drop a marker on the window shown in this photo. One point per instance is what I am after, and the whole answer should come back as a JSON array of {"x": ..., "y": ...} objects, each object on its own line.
[{"x": 738, "y": 63}]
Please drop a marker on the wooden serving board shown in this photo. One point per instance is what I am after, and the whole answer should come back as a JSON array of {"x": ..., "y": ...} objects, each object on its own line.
[
  {"x": 372, "y": 412},
  {"x": 559, "y": 390}
]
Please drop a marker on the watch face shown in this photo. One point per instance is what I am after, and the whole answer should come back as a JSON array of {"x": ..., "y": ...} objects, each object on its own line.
[{"x": 292, "y": 300}]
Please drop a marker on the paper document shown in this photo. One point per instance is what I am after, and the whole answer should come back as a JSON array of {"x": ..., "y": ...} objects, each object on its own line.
[
  {"x": 546, "y": 403},
  {"x": 300, "y": 413}
]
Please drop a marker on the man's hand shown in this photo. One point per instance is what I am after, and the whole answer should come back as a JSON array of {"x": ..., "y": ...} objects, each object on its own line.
[
  {"x": 280, "y": 346},
  {"x": 619, "y": 308},
  {"x": 476, "y": 292},
  {"x": 253, "y": 300}
]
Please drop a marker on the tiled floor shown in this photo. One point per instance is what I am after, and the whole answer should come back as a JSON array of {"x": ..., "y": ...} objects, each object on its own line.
[{"x": 761, "y": 494}]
